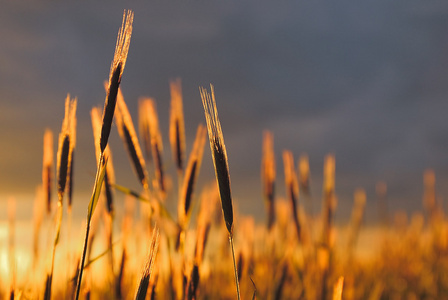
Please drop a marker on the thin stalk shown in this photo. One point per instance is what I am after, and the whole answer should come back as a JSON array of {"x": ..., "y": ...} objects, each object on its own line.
[
  {"x": 99, "y": 178},
  {"x": 83, "y": 257},
  {"x": 69, "y": 252},
  {"x": 234, "y": 267}
]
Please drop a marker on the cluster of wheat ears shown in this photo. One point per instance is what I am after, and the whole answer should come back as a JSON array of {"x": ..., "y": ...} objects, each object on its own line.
[{"x": 167, "y": 258}]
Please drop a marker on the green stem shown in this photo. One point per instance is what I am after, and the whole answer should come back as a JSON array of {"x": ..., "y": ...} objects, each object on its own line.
[
  {"x": 100, "y": 173},
  {"x": 81, "y": 266},
  {"x": 234, "y": 267}
]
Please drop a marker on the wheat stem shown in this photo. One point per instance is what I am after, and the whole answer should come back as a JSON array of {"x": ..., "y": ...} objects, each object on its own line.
[
  {"x": 83, "y": 258},
  {"x": 99, "y": 178},
  {"x": 234, "y": 267}
]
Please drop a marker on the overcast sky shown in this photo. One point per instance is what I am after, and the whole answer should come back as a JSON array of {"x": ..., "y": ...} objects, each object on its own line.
[{"x": 367, "y": 81}]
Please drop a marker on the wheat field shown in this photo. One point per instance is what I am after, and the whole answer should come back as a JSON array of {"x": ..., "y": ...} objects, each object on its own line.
[{"x": 180, "y": 237}]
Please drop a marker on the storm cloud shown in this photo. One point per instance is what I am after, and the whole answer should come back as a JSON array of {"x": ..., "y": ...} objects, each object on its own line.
[{"x": 366, "y": 81}]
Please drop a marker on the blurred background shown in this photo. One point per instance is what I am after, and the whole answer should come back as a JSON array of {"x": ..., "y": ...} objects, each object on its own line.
[{"x": 366, "y": 81}]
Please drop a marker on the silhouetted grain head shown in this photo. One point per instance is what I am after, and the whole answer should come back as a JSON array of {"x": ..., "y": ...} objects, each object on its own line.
[
  {"x": 429, "y": 197},
  {"x": 109, "y": 195},
  {"x": 70, "y": 180},
  {"x": 281, "y": 282},
  {"x": 201, "y": 243},
  {"x": 209, "y": 198},
  {"x": 74, "y": 278},
  {"x": 120, "y": 277},
  {"x": 292, "y": 188},
  {"x": 381, "y": 194},
  {"x": 304, "y": 174},
  {"x": 191, "y": 173},
  {"x": 116, "y": 71},
  {"x": 359, "y": 205},
  {"x": 219, "y": 155},
  {"x": 329, "y": 174},
  {"x": 329, "y": 205},
  {"x": 153, "y": 284},
  {"x": 62, "y": 163},
  {"x": 356, "y": 218},
  {"x": 109, "y": 106},
  {"x": 38, "y": 212},
  {"x": 193, "y": 283},
  {"x": 47, "y": 289},
  {"x": 177, "y": 124},
  {"x": 47, "y": 168},
  {"x": 240, "y": 264},
  {"x": 268, "y": 175},
  {"x": 144, "y": 127},
  {"x": 109, "y": 178},
  {"x": 72, "y": 129},
  {"x": 63, "y": 169},
  {"x": 129, "y": 137},
  {"x": 156, "y": 141},
  {"x": 149, "y": 265},
  {"x": 87, "y": 293},
  {"x": 66, "y": 145}
]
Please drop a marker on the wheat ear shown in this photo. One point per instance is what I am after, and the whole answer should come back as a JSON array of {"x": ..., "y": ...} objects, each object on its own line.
[{"x": 220, "y": 163}]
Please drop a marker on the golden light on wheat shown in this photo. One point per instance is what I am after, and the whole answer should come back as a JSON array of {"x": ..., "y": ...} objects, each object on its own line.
[{"x": 175, "y": 244}]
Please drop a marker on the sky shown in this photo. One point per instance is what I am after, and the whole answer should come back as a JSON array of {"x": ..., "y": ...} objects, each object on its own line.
[{"x": 366, "y": 81}]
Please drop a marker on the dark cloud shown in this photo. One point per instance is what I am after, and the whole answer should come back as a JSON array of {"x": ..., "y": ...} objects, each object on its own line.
[{"x": 366, "y": 81}]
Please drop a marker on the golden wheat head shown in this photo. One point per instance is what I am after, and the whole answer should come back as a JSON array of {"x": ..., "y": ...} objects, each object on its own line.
[
  {"x": 129, "y": 136},
  {"x": 47, "y": 169},
  {"x": 177, "y": 124},
  {"x": 191, "y": 173},
  {"x": 65, "y": 147},
  {"x": 116, "y": 71},
  {"x": 219, "y": 155},
  {"x": 148, "y": 113},
  {"x": 268, "y": 175}
]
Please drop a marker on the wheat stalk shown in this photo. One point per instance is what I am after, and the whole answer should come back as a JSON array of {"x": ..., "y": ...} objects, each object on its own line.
[
  {"x": 304, "y": 174},
  {"x": 63, "y": 168},
  {"x": 328, "y": 207},
  {"x": 356, "y": 219},
  {"x": 38, "y": 212},
  {"x": 177, "y": 124},
  {"x": 268, "y": 175},
  {"x": 429, "y": 197},
  {"x": 149, "y": 115},
  {"x": 149, "y": 265},
  {"x": 116, "y": 71},
  {"x": 381, "y": 194},
  {"x": 109, "y": 179},
  {"x": 191, "y": 173},
  {"x": 329, "y": 200},
  {"x": 72, "y": 154},
  {"x": 220, "y": 163},
  {"x": 219, "y": 155},
  {"x": 292, "y": 189},
  {"x": 129, "y": 137},
  {"x": 47, "y": 168}
]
